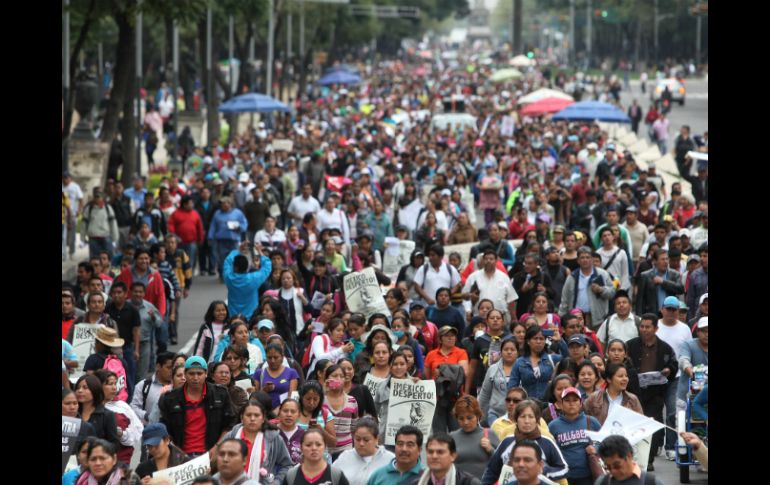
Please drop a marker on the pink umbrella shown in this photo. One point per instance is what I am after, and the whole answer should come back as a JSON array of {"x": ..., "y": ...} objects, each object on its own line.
[{"x": 546, "y": 106}]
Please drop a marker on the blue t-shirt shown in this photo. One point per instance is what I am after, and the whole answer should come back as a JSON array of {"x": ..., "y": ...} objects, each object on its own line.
[
  {"x": 281, "y": 382},
  {"x": 572, "y": 440}
]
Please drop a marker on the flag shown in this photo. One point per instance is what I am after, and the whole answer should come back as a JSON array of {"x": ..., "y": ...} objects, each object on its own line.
[{"x": 625, "y": 422}]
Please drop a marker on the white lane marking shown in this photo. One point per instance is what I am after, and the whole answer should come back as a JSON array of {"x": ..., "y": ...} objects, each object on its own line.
[{"x": 186, "y": 349}]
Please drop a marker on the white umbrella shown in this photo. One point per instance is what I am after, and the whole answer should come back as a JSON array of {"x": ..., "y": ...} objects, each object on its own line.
[
  {"x": 521, "y": 61},
  {"x": 542, "y": 94}
]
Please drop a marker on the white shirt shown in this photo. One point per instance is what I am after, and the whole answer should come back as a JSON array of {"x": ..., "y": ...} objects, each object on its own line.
[
  {"x": 301, "y": 206},
  {"x": 498, "y": 288},
  {"x": 431, "y": 280},
  {"x": 75, "y": 194},
  {"x": 676, "y": 336},
  {"x": 358, "y": 469},
  {"x": 271, "y": 240},
  {"x": 334, "y": 219},
  {"x": 624, "y": 330}
]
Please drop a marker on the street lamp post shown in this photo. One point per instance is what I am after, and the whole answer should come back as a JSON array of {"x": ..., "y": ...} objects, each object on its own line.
[
  {"x": 270, "y": 42},
  {"x": 588, "y": 32},
  {"x": 65, "y": 69},
  {"x": 175, "y": 88},
  {"x": 139, "y": 90},
  {"x": 571, "y": 30}
]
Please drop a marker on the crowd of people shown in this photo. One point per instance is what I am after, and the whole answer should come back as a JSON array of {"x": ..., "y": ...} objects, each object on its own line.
[{"x": 586, "y": 272}]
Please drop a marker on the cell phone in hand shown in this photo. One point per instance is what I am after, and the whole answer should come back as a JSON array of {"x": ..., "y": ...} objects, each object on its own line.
[{"x": 547, "y": 333}]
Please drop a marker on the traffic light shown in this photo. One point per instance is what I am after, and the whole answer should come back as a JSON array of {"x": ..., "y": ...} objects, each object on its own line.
[
  {"x": 597, "y": 13},
  {"x": 604, "y": 14},
  {"x": 531, "y": 55}
]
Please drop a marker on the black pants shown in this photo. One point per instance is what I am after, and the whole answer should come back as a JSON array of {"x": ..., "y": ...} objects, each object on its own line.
[
  {"x": 206, "y": 258},
  {"x": 443, "y": 420},
  {"x": 652, "y": 405}
]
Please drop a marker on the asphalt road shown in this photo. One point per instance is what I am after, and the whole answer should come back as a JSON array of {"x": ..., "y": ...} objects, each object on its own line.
[{"x": 693, "y": 113}]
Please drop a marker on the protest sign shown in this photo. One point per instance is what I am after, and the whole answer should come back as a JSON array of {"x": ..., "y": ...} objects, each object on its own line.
[
  {"x": 371, "y": 382},
  {"x": 283, "y": 145},
  {"x": 410, "y": 403},
  {"x": 507, "y": 126},
  {"x": 637, "y": 428},
  {"x": 396, "y": 256},
  {"x": 408, "y": 215},
  {"x": 70, "y": 427},
  {"x": 506, "y": 475},
  {"x": 83, "y": 338},
  {"x": 186, "y": 473},
  {"x": 363, "y": 293}
]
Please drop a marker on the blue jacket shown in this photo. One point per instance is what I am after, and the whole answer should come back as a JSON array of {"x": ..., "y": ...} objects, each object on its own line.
[
  {"x": 555, "y": 466},
  {"x": 523, "y": 374},
  {"x": 572, "y": 440},
  {"x": 219, "y": 229},
  {"x": 242, "y": 288}
]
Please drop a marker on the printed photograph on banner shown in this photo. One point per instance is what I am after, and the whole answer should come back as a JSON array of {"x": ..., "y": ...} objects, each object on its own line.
[
  {"x": 363, "y": 293},
  {"x": 410, "y": 404},
  {"x": 186, "y": 473},
  {"x": 396, "y": 256}
]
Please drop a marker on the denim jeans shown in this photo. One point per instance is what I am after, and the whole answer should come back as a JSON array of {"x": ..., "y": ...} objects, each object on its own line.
[
  {"x": 206, "y": 258},
  {"x": 96, "y": 245},
  {"x": 222, "y": 248},
  {"x": 671, "y": 413},
  {"x": 146, "y": 358},
  {"x": 192, "y": 252},
  {"x": 128, "y": 357}
]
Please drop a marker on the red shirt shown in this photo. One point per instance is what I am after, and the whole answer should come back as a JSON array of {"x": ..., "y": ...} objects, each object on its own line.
[
  {"x": 435, "y": 358},
  {"x": 250, "y": 445},
  {"x": 65, "y": 327},
  {"x": 194, "y": 424}
]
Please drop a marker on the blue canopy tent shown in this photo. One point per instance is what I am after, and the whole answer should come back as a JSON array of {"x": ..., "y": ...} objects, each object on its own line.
[
  {"x": 252, "y": 103},
  {"x": 592, "y": 111},
  {"x": 349, "y": 68},
  {"x": 339, "y": 77}
]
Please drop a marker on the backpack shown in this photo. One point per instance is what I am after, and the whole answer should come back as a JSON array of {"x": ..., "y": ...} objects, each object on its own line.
[
  {"x": 146, "y": 390},
  {"x": 114, "y": 364},
  {"x": 425, "y": 272},
  {"x": 308, "y": 350},
  {"x": 606, "y": 322},
  {"x": 291, "y": 475},
  {"x": 450, "y": 383}
]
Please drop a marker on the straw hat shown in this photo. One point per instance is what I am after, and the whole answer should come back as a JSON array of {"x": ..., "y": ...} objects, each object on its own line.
[{"x": 109, "y": 336}]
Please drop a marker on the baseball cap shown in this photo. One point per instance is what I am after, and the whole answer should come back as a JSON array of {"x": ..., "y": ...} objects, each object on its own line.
[
  {"x": 416, "y": 304},
  {"x": 544, "y": 218},
  {"x": 578, "y": 338},
  {"x": 154, "y": 433},
  {"x": 446, "y": 192},
  {"x": 611, "y": 146},
  {"x": 243, "y": 177},
  {"x": 571, "y": 390},
  {"x": 683, "y": 306},
  {"x": 572, "y": 138},
  {"x": 195, "y": 362},
  {"x": 703, "y": 298},
  {"x": 703, "y": 322},
  {"x": 592, "y": 146},
  {"x": 694, "y": 258},
  {"x": 446, "y": 329},
  {"x": 671, "y": 302},
  {"x": 631, "y": 209},
  {"x": 265, "y": 324}
]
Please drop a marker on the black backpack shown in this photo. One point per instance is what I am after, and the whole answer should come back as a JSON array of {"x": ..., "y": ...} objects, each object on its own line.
[{"x": 450, "y": 383}]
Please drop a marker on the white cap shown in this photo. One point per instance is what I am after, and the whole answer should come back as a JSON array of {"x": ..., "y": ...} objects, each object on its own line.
[
  {"x": 703, "y": 298},
  {"x": 243, "y": 177},
  {"x": 592, "y": 146},
  {"x": 208, "y": 159},
  {"x": 703, "y": 322}
]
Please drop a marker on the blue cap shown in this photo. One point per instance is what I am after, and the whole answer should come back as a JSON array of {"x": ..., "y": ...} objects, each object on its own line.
[
  {"x": 578, "y": 338},
  {"x": 671, "y": 302},
  {"x": 154, "y": 433},
  {"x": 195, "y": 362},
  {"x": 572, "y": 138},
  {"x": 265, "y": 324},
  {"x": 610, "y": 146}
]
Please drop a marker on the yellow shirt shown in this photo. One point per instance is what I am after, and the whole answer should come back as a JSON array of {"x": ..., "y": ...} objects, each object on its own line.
[{"x": 504, "y": 427}]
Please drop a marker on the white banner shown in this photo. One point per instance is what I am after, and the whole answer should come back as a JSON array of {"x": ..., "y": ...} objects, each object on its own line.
[
  {"x": 410, "y": 403},
  {"x": 463, "y": 249},
  {"x": 408, "y": 215},
  {"x": 396, "y": 256},
  {"x": 363, "y": 293},
  {"x": 282, "y": 145},
  {"x": 186, "y": 473},
  {"x": 83, "y": 338},
  {"x": 506, "y": 475},
  {"x": 507, "y": 126},
  {"x": 371, "y": 382}
]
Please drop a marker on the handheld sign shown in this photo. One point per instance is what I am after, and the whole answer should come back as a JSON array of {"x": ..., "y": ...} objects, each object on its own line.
[
  {"x": 410, "y": 403},
  {"x": 186, "y": 473}
]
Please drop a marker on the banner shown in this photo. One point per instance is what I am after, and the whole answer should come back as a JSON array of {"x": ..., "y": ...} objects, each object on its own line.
[
  {"x": 186, "y": 473},
  {"x": 282, "y": 145},
  {"x": 396, "y": 256},
  {"x": 371, "y": 382},
  {"x": 70, "y": 428},
  {"x": 507, "y": 126},
  {"x": 363, "y": 293},
  {"x": 637, "y": 428},
  {"x": 410, "y": 403},
  {"x": 463, "y": 249},
  {"x": 83, "y": 338},
  {"x": 408, "y": 215},
  {"x": 506, "y": 475}
]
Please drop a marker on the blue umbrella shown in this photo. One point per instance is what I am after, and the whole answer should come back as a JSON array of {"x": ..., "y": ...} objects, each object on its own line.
[
  {"x": 592, "y": 111},
  {"x": 252, "y": 103},
  {"x": 343, "y": 67},
  {"x": 339, "y": 77}
]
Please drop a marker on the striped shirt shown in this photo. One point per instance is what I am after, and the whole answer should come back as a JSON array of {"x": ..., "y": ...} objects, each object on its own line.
[{"x": 343, "y": 423}]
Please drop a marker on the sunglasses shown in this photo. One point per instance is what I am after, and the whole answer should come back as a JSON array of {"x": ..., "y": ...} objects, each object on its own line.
[{"x": 510, "y": 399}]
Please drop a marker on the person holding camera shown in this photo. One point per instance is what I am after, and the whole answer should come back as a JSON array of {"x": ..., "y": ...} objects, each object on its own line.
[{"x": 242, "y": 285}]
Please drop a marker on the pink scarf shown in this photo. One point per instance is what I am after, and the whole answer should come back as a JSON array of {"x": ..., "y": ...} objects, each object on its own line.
[{"x": 87, "y": 479}]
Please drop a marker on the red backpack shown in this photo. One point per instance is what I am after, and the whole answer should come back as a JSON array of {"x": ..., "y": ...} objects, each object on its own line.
[
  {"x": 114, "y": 364},
  {"x": 306, "y": 357}
]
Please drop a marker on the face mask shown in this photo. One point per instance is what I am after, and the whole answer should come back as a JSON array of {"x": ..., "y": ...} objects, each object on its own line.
[
  {"x": 478, "y": 333},
  {"x": 398, "y": 333},
  {"x": 334, "y": 384}
]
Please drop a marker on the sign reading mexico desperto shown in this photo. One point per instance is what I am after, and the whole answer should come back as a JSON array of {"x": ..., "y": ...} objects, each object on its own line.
[
  {"x": 186, "y": 473},
  {"x": 363, "y": 293},
  {"x": 410, "y": 403}
]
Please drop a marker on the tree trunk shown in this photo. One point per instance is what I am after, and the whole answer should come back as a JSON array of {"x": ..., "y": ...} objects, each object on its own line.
[
  {"x": 122, "y": 86},
  {"x": 212, "y": 100},
  {"x": 73, "y": 60},
  {"x": 518, "y": 8},
  {"x": 128, "y": 127}
]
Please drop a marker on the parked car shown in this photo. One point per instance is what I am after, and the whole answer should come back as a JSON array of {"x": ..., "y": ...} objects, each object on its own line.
[{"x": 676, "y": 87}]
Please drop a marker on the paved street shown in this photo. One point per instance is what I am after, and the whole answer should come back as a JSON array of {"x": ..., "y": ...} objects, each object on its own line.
[{"x": 693, "y": 113}]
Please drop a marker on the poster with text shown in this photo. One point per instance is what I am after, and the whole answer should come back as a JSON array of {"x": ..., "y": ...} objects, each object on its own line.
[
  {"x": 410, "y": 404},
  {"x": 363, "y": 293},
  {"x": 70, "y": 428},
  {"x": 83, "y": 339},
  {"x": 186, "y": 473},
  {"x": 396, "y": 256},
  {"x": 371, "y": 382}
]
